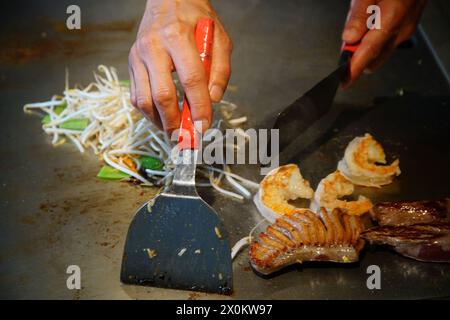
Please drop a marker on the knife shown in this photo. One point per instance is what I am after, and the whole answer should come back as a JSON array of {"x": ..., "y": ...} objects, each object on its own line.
[{"x": 309, "y": 108}]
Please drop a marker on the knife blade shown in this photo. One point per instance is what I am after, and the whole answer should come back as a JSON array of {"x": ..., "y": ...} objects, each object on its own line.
[{"x": 309, "y": 108}]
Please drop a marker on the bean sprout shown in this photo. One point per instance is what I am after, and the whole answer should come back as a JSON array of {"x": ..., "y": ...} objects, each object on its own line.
[
  {"x": 215, "y": 184},
  {"x": 116, "y": 130},
  {"x": 238, "y": 187},
  {"x": 237, "y": 121},
  {"x": 244, "y": 241}
]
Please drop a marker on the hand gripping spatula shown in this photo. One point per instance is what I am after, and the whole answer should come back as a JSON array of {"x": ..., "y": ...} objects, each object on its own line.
[{"x": 177, "y": 240}]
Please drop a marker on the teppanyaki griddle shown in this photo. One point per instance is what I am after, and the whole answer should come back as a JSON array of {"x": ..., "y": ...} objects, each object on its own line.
[{"x": 55, "y": 213}]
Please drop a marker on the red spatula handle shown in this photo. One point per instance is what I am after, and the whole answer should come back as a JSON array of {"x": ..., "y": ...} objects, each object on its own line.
[{"x": 188, "y": 137}]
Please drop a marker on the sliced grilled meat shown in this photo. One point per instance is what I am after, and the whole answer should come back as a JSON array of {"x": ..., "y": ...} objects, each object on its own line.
[
  {"x": 423, "y": 242},
  {"x": 305, "y": 236},
  {"x": 406, "y": 213}
]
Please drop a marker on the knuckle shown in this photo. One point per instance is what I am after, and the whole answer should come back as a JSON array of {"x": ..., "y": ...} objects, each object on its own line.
[
  {"x": 192, "y": 79},
  {"x": 164, "y": 97},
  {"x": 224, "y": 69},
  {"x": 174, "y": 31},
  {"x": 141, "y": 43},
  {"x": 156, "y": 10},
  {"x": 146, "y": 43},
  {"x": 144, "y": 103}
]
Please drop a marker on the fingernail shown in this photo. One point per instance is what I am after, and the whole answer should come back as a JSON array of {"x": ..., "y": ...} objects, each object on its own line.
[
  {"x": 216, "y": 93},
  {"x": 349, "y": 34},
  {"x": 367, "y": 71}
]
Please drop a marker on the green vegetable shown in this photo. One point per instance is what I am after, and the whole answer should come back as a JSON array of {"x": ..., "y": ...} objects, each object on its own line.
[
  {"x": 75, "y": 124},
  {"x": 107, "y": 172},
  {"x": 71, "y": 124},
  {"x": 58, "y": 109},
  {"x": 151, "y": 163},
  {"x": 125, "y": 83}
]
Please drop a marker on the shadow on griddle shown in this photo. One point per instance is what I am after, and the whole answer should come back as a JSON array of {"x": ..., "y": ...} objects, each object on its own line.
[
  {"x": 411, "y": 127},
  {"x": 326, "y": 128}
]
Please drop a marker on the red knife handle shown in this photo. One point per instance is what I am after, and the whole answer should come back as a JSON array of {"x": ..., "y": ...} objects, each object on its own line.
[
  {"x": 204, "y": 31},
  {"x": 350, "y": 47}
]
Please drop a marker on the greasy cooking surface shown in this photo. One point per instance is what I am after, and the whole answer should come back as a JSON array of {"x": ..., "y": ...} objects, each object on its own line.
[{"x": 55, "y": 213}]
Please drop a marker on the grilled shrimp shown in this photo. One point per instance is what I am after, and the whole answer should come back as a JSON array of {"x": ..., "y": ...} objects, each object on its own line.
[
  {"x": 364, "y": 163},
  {"x": 302, "y": 235},
  {"x": 334, "y": 186},
  {"x": 278, "y": 187}
]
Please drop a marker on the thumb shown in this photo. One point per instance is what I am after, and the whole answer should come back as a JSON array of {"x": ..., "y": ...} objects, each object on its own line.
[{"x": 356, "y": 25}]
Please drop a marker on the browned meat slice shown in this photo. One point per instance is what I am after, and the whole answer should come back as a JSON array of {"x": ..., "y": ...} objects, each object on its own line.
[
  {"x": 404, "y": 213},
  {"x": 424, "y": 242},
  {"x": 305, "y": 236}
]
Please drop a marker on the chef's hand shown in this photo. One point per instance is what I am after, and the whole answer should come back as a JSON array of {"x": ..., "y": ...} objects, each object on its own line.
[
  {"x": 165, "y": 43},
  {"x": 399, "y": 19}
]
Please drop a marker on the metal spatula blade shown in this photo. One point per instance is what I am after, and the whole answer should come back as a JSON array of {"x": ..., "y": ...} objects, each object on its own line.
[{"x": 177, "y": 240}]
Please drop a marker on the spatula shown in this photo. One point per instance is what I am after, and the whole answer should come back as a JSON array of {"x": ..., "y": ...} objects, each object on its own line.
[
  {"x": 310, "y": 107},
  {"x": 177, "y": 240}
]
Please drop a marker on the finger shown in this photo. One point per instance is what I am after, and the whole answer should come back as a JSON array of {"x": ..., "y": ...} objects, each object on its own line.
[
  {"x": 386, "y": 52},
  {"x": 142, "y": 92},
  {"x": 356, "y": 25},
  {"x": 409, "y": 26},
  {"x": 181, "y": 45},
  {"x": 375, "y": 40},
  {"x": 132, "y": 89},
  {"x": 164, "y": 93},
  {"x": 411, "y": 20},
  {"x": 368, "y": 51},
  {"x": 220, "y": 65}
]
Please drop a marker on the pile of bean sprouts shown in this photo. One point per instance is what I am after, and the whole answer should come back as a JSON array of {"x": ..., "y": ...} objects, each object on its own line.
[{"x": 116, "y": 130}]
